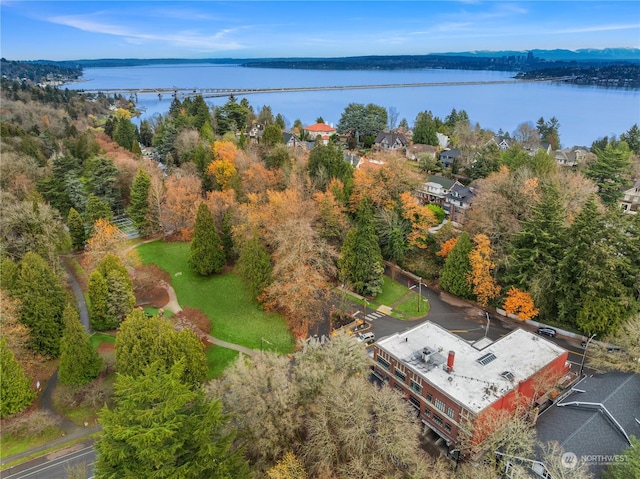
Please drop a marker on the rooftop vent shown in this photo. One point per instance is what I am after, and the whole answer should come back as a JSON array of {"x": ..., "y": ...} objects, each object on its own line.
[
  {"x": 508, "y": 375},
  {"x": 486, "y": 359}
]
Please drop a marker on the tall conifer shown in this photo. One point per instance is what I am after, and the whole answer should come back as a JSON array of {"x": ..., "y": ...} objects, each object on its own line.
[
  {"x": 79, "y": 361},
  {"x": 206, "y": 255}
]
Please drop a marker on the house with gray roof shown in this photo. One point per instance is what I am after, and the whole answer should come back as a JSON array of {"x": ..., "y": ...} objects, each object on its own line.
[
  {"x": 595, "y": 420},
  {"x": 457, "y": 202},
  {"x": 390, "y": 141},
  {"x": 449, "y": 157}
]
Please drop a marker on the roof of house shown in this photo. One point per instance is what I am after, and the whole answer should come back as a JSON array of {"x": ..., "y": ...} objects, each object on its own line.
[
  {"x": 290, "y": 136},
  {"x": 420, "y": 148},
  {"x": 455, "y": 153},
  {"x": 320, "y": 128},
  {"x": 391, "y": 138},
  {"x": 479, "y": 376},
  {"x": 446, "y": 183},
  {"x": 460, "y": 192},
  {"x": 589, "y": 431}
]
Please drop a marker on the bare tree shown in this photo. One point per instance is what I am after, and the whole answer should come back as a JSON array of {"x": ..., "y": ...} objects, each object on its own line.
[{"x": 557, "y": 463}]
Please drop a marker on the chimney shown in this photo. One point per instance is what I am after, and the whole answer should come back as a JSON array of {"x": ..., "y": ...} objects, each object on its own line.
[{"x": 450, "y": 359}]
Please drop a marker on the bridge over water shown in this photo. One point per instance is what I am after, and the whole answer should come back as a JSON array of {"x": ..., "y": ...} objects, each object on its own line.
[{"x": 225, "y": 92}]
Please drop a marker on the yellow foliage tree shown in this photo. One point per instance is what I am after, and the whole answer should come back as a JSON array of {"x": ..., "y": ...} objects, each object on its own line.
[
  {"x": 122, "y": 114},
  {"x": 224, "y": 173},
  {"x": 446, "y": 247},
  {"x": 105, "y": 239},
  {"x": 289, "y": 467},
  {"x": 421, "y": 217},
  {"x": 480, "y": 276},
  {"x": 520, "y": 303}
]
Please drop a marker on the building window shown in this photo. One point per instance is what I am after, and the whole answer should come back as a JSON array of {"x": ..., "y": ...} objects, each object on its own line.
[
  {"x": 414, "y": 402},
  {"x": 416, "y": 387},
  {"x": 400, "y": 375},
  {"x": 437, "y": 419},
  {"x": 447, "y": 426},
  {"x": 450, "y": 412},
  {"x": 427, "y": 412},
  {"x": 429, "y": 397},
  {"x": 439, "y": 405},
  {"x": 384, "y": 363},
  {"x": 398, "y": 388}
]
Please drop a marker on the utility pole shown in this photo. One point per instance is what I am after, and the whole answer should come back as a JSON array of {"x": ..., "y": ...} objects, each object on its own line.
[{"x": 584, "y": 355}]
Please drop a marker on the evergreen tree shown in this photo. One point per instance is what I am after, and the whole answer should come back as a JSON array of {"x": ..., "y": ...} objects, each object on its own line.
[
  {"x": 76, "y": 229},
  {"x": 161, "y": 427},
  {"x": 206, "y": 255},
  {"x": 97, "y": 209},
  {"x": 629, "y": 465},
  {"x": 139, "y": 201},
  {"x": 121, "y": 299},
  {"x": 536, "y": 251},
  {"x": 43, "y": 299},
  {"x": 360, "y": 260},
  {"x": 104, "y": 175},
  {"x": 272, "y": 135},
  {"x": 611, "y": 172},
  {"x": 424, "y": 129},
  {"x": 79, "y": 362},
  {"x": 254, "y": 266},
  {"x": 99, "y": 306},
  {"x": 15, "y": 392},
  {"x": 457, "y": 268},
  {"x": 111, "y": 293},
  {"x": 227, "y": 237},
  {"x": 592, "y": 294},
  {"x": 327, "y": 162},
  {"x": 144, "y": 340}
]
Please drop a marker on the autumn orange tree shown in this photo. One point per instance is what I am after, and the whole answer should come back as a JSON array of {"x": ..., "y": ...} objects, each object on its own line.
[
  {"x": 421, "y": 218},
  {"x": 104, "y": 240},
  {"x": 481, "y": 274},
  {"x": 178, "y": 211},
  {"x": 520, "y": 303},
  {"x": 447, "y": 247}
]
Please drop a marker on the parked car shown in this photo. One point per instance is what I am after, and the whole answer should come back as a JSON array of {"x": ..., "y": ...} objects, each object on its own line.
[
  {"x": 545, "y": 331},
  {"x": 367, "y": 338}
]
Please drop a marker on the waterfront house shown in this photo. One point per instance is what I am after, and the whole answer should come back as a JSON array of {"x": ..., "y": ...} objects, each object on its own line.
[{"x": 322, "y": 130}]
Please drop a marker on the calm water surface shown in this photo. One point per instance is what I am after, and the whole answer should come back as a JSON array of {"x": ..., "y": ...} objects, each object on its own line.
[{"x": 585, "y": 113}]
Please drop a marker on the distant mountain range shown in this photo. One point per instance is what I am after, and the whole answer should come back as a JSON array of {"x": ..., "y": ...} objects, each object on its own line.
[{"x": 585, "y": 54}]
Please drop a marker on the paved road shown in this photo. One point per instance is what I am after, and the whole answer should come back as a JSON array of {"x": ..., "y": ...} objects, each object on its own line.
[
  {"x": 463, "y": 318},
  {"x": 56, "y": 465}
]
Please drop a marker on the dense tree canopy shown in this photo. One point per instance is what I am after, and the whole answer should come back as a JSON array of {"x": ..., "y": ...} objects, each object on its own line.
[
  {"x": 79, "y": 362},
  {"x": 163, "y": 427},
  {"x": 15, "y": 390},
  {"x": 364, "y": 121}
]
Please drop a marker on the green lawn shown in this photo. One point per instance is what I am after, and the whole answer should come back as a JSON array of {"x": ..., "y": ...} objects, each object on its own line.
[
  {"x": 409, "y": 307},
  {"x": 11, "y": 444},
  {"x": 391, "y": 292},
  {"x": 234, "y": 316},
  {"x": 98, "y": 338},
  {"x": 218, "y": 358},
  {"x": 151, "y": 311}
]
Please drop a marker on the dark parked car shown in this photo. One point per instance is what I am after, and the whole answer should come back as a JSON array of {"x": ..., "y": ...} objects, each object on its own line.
[{"x": 547, "y": 332}]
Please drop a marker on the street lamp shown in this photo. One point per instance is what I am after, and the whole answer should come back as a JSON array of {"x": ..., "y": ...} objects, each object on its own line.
[
  {"x": 419, "y": 293},
  {"x": 584, "y": 355},
  {"x": 486, "y": 331}
]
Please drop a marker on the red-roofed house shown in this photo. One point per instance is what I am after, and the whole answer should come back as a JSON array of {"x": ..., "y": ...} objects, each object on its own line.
[{"x": 320, "y": 129}]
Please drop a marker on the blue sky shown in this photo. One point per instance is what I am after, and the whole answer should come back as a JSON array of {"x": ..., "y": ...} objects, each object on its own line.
[{"x": 58, "y": 30}]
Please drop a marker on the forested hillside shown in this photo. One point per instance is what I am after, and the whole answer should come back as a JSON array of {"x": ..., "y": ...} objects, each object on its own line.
[{"x": 540, "y": 240}]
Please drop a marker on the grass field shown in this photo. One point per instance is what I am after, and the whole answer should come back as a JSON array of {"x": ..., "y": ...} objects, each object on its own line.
[
  {"x": 391, "y": 292},
  {"x": 98, "y": 338},
  {"x": 218, "y": 358},
  {"x": 234, "y": 316}
]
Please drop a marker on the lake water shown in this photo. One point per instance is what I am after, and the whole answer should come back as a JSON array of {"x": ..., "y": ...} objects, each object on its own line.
[{"x": 585, "y": 113}]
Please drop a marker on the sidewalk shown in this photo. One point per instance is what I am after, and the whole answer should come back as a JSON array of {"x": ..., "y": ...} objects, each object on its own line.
[{"x": 52, "y": 445}]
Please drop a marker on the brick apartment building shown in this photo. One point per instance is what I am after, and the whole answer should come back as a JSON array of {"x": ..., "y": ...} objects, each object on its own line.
[{"x": 453, "y": 384}]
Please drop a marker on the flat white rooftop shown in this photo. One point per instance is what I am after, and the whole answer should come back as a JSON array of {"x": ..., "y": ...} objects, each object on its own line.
[{"x": 479, "y": 377}]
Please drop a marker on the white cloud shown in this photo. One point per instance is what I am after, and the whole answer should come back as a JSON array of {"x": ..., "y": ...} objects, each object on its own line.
[{"x": 216, "y": 41}]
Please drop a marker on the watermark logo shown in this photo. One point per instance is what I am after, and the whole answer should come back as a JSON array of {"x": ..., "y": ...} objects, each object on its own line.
[{"x": 569, "y": 460}]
